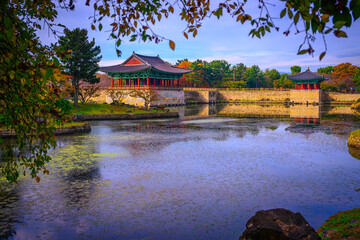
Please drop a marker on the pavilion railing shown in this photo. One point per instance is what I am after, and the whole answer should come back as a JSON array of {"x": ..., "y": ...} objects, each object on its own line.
[
  {"x": 169, "y": 88},
  {"x": 233, "y": 89}
]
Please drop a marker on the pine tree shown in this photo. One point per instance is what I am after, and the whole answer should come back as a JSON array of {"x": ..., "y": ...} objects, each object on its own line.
[{"x": 83, "y": 62}]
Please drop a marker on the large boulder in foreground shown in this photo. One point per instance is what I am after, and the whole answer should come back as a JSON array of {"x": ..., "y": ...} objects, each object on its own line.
[{"x": 278, "y": 224}]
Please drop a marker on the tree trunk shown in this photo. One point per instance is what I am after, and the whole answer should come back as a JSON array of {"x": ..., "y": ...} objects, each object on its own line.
[{"x": 76, "y": 96}]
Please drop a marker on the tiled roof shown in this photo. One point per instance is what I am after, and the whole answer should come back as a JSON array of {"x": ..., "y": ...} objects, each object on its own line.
[
  {"x": 154, "y": 62},
  {"x": 307, "y": 75}
]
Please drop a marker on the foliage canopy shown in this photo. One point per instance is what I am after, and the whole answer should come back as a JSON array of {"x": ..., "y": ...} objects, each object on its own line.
[{"x": 83, "y": 60}]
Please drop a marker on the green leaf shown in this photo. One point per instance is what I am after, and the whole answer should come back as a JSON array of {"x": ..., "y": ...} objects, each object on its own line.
[
  {"x": 296, "y": 18},
  {"x": 355, "y": 8},
  {"x": 48, "y": 73},
  {"x": 303, "y": 52},
  {"x": 314, "y": 25},
  {"x": 283, "y": 12},
  {"x": 290, "y": 13},
  {"x": 100, "y": 27},
  {"x": 322, "y": 55},
  {"x": 339, "y": 24}
]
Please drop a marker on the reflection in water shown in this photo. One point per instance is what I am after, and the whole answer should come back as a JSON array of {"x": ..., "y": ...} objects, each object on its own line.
[
  {"x": 8, "y": 214},
  {"x": 186, "y": 179}
]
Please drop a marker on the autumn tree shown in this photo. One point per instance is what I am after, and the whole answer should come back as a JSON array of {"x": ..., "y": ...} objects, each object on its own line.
[
  {"x": 342, "y": 76},
  {"x": 307, "y": 18},
  {"x": 148, "y": 95},
  {"x": 88, "y": 91},
  {"x": 30, "y": 102},
  {"x": 116, "y": 96},
  {"x": 185, "y": 79},
  {"x": 83, "y": 62}
]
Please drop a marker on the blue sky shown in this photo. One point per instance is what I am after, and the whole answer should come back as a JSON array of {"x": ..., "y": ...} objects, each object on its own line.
[{"x": 223, "y": 39}]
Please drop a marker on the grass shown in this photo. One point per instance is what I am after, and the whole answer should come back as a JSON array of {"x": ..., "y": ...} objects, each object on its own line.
[
  {"x": 355, "y": 133},
  {"x": 70, "y": 124},
  {"x": 96, "y": 108},
  {"x": 343, "y": 225}
]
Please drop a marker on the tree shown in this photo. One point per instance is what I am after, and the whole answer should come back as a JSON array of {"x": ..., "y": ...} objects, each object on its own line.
[
  {"x": 326, "y": 70},
  {"x": 147, "y": 95},
  {"x": 283, "y": 82},
  {"x": 271, "y": 76},
  {"x": 342, "y": 76},
  {"x": 185, "y": 79},
  {"x": 134, "y": 19},
  {"x": 88, "y": 91},
  {"x": 83, "y": 63},
  {"x": 24, "y": 59},
  {"x": 117, "y": 97},
  {"x": 295, "y": 69},
  {"x": 220, "y": 69},
  {"x": 254, "y": 77},
  {"x": 30, "y": 102}
]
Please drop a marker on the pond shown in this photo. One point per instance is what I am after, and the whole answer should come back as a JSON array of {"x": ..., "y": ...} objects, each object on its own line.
[{"x": 201, "y": 176}]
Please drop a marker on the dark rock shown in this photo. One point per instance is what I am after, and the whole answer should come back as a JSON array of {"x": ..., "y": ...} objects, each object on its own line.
[
  {"x": 128, "y": 111},
  {"x": 278, "y": 224},
  {"x": 78, "y": 118}
]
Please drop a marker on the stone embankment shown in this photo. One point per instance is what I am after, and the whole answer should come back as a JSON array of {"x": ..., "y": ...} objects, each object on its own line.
[
  {"x": 5, "y": 133},
  {"x": 131, "y": 116},
  {"x": 85, "y": 127}
]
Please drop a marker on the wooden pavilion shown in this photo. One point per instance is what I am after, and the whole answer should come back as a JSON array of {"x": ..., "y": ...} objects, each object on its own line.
[
  {"x": 307, "y": 80},
  {"x": 145, "y": 72}
]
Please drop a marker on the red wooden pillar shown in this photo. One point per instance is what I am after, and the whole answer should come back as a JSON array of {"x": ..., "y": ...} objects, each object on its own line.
[
  {"x": 129, "y": 82},
  {"x": 154, "y": 82},
  {"x": 138, "y": 82},
  {"x": 120, "y": 82},
  {"x": 147, "y": 81},
  {"x": 112, "y": 82}
]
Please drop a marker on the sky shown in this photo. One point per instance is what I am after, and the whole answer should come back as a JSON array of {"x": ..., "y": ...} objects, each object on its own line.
[{"x": 223, "y": 39}]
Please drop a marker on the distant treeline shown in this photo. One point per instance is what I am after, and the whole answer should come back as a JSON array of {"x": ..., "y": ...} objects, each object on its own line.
[{"x": 220, "y": 73}]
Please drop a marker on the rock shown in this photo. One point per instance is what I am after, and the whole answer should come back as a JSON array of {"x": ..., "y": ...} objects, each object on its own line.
[
  {"x": 278, "y": 224},
  {"x": 128, "y": 111},
  {"x": 78, "y": 118}
]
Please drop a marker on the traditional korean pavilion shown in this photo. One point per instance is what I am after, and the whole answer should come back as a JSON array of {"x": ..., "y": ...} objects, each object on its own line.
[
  {"x": 145, "y": 72},
  {"x": 307, "y": 80}
]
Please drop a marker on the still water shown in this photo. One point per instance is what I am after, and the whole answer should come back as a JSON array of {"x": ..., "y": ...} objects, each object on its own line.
[{"x": 198, "y": 177}]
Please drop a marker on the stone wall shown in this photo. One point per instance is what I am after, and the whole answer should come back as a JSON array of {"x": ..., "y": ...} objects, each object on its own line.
[
  {"x": 197, "y": 96},
  {"x": 339, "y": 97},
  {"x": 260, "y": 95},
  {"x": 306, "y": 96},
  {"x": 166, "y": 98},
  {"x": 101, "y": 98}
]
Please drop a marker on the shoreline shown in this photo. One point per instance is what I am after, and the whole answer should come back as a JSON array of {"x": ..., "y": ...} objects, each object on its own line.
[{"x": 85, "y": 127}]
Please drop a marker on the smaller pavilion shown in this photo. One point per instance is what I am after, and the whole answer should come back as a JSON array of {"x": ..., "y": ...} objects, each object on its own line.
[{"x": 307, "y": 80}]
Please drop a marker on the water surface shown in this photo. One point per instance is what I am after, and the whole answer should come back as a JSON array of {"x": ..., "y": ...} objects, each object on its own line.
[{"x": 197, "y": 177}]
